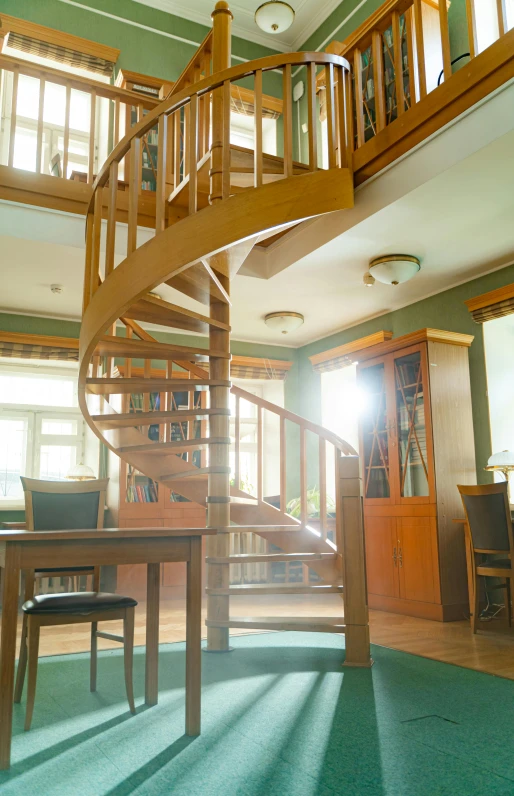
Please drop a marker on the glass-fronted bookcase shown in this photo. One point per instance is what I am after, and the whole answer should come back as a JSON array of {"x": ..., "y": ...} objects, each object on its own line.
[{"x": 416, "y": 445}]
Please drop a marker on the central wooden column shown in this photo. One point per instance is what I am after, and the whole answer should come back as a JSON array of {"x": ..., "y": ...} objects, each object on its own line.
[{"x": 218, "y": 500}]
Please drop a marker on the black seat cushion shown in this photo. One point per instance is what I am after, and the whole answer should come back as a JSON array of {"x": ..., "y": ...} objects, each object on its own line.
[{"x": 83, "y": 603}]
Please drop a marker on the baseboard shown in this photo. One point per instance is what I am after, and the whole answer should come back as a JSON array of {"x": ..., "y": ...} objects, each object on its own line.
[{"x": 434, "y": 611}]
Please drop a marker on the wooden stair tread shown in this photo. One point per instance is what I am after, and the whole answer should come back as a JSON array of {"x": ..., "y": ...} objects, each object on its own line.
[
  {"x": 127, "y": 419},
  {"x": 195, "y": 472},
  {"x": 123, "y": 386},
  {"x": 320, "y": 624},
  {"x": 245, "y": 501},
  {"x": 155, "y": 310},
  {"x": 110, "y": 346},
  {"x": 277, "y": 588},
  {"x": 269, "y": 558},
  {"x": 261, "y": 528},
  {"x": 175, "y": 446}
]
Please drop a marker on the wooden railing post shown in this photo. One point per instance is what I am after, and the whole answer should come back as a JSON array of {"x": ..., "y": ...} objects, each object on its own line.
[
  {"x": 351, "y": 547},
  {"x": 218, "y": 491}
]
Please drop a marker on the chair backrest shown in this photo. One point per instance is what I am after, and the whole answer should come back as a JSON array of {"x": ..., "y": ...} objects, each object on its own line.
[
  {"x": 488, "y": 514},
  {"x": 61, "y": 505}
]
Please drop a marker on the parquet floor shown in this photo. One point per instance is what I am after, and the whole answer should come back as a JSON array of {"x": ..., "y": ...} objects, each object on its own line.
[{"x": 491, "y": 650}]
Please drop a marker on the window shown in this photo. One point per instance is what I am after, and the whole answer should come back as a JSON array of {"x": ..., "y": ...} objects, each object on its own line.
[
  {"x": 27, "y": 107},
  {"x": 41, "y": 428},
  {"x": 498, "y": 341},
  {"x": 242, "y": 132}
]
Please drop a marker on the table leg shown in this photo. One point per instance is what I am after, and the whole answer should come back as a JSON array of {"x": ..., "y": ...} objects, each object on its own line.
[
  {"x": 193, "y": 638},
  {"x": 469, "y": 566},
  {"x": 152, "y": 634},
  {"x": 11, "y": 581}
]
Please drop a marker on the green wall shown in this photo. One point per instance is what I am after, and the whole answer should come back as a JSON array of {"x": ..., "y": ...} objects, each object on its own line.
[
  {"x": 143, "y": 49},
  {"x": 445, "y": 311}
]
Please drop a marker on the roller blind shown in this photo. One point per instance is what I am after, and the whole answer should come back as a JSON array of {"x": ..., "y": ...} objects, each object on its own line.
[{"x": 62, "y": 55}]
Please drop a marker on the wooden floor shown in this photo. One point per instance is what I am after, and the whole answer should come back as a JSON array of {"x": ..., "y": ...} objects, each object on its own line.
[{"x": 491, "y": 650}]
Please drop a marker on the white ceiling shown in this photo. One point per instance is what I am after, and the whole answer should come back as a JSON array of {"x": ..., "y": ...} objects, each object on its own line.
[{"x": 309, "y": 15}]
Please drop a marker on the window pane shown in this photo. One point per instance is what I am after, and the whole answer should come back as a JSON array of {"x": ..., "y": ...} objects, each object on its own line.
[
  {"x": 13, "y": 433},
  {"x": 59, "y": 427},
  {"x": 19, "y": 388},
  {"x": 56, "y": 461},
  {"x": 27, "y": 103},
  {"x": 80, "y": 110},
  {"x": 55, "y": 104},
  {"x": 25, "y": 146}
]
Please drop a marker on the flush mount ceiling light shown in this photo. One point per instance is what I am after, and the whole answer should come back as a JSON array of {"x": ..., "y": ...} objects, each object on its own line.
[
  {"x": 393, "y": 269},
  {"x": 274, "y": 16},
  {"x": 284, "y": 322}
]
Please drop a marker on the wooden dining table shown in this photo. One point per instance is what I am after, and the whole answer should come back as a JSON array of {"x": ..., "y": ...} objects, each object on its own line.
[{"x": 28, "y": 550}]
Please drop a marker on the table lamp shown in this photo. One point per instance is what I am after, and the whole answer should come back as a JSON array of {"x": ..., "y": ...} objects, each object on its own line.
[{"x": 502, "y": 462}]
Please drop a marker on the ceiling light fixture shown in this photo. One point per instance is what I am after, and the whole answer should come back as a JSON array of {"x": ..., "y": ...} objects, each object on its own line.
[
  {"x": 275, "y": 16},
  {"x": 368, "y": 280},
  {"x": 284, "y": 322},
  {"x": 393, "y": 269}
]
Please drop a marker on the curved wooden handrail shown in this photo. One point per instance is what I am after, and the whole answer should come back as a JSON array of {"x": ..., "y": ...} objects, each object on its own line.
[{"x": 205, "y": 86}]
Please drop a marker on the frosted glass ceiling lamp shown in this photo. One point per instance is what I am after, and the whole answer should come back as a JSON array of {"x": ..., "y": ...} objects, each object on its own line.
[
  {"x": 274, "y": 16},
  {"x": 284, "y": 322},
  {"x": 393, "y": 269},
  {"x": 80, "y": 472}
]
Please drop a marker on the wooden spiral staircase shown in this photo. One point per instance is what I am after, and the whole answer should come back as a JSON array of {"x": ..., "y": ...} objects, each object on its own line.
[{"x": 213, "y": 203}]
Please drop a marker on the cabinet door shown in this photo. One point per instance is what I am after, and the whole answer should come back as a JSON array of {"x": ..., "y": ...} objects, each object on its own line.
[
  {"x": 418, "y": 559},
  {"x": 376, "y": 422},
  {"x": 412, "y": 461},
  {"x": 382, "y": 556}
]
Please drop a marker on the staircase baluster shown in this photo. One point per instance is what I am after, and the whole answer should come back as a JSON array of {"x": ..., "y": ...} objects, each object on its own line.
[
  {"x": 139, "y": 164},
  {"x": 40, "y": 114},
  {"x": 90, "y": 228},
  {"x": 66, "y": 139},
  {"x": 283, "y": 471},
  {"x": 237, "y": 444},
  {"x": 501, "y": 10},
  {"x": 133, "y": 191},
  {"x": 341, "y": 118},
  {"x": 472, "y": 28},
  {"x": 349, "y": 117},
  {"x": 92, "y": 128},
  {"x": 445, "y": 37},
  {"x": 162, "y": 166},
  {"x": 409, "y": 35},
  {"x": 330, "y": 94},
  {"x": 260, "y": 452},
  {"x": 14, "y": 102},
  {"x": 303, "y": 477},
  {"x": 227, "y": 102},
  {"x": 378, "y": 79},
  {"x": 323, "y": 487},
  {"x": 359, "y": 100},
  {"x": 257, "y": 120},
  {"x": 192, "y": 152},
  {"x": 287, "y": 116},
  {"x": 398, "y": 65},
  {"x": 312, "y": 117},
  {"x": 420, "y": 48},
  {"x": 97, "y": 234}
]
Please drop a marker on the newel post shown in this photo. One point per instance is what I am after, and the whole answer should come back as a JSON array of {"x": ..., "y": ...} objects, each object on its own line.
[
  {"x": 218, "y": 491},
  {"x": 350, "y": 543}
]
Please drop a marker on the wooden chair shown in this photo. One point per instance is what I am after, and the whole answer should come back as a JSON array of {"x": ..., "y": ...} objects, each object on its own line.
[
  {"x": 59, "y": 505},
  {"x": 490, "y": 530}
]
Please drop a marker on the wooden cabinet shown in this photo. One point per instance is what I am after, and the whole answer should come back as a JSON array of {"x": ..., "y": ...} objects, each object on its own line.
[{"x": 416, "y": 445}]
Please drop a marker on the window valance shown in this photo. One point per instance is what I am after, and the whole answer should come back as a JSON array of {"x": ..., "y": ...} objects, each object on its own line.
[
  {"x": 36, "y": 346},
  {"x": 259, "y": 368},
  {"x": 343, "y": 355},
  {"x": 494, "y": 304},
  {"x": 62, "y": 55},
  {"x": 243, "y": 102}
]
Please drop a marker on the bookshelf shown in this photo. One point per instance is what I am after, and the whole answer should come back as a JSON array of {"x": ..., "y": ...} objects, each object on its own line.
[
  {"x": 416, "y": 445},
  {"x": 134, "y": 500},
  {"x": 147, "y": 86}
]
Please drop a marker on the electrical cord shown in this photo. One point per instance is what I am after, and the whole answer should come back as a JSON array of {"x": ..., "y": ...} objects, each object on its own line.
[{"x": 459, "y": 58}]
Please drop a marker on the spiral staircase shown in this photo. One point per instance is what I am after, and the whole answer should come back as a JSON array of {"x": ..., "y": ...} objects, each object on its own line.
[{"x": 213, "y": 203}]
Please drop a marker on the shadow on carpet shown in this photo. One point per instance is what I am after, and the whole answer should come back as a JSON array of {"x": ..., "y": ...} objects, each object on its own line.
[{"x": 280, "y": 717}]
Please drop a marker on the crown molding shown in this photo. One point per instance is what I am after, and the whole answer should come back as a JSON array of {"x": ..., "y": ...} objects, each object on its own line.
[{"x": 177, "y": 9}]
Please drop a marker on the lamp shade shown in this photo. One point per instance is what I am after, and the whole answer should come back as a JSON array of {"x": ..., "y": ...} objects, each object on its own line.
[
  {"x": 80, "y": 472},
  {"x": 284, "y": 322},
  {"x": 274, "y": 16},
  {"x": 393, "y": 269},
  {"x": 502, "y": 459}
]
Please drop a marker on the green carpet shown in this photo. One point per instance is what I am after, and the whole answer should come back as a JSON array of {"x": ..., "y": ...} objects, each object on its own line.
[{"x": 280, "y": 717}]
